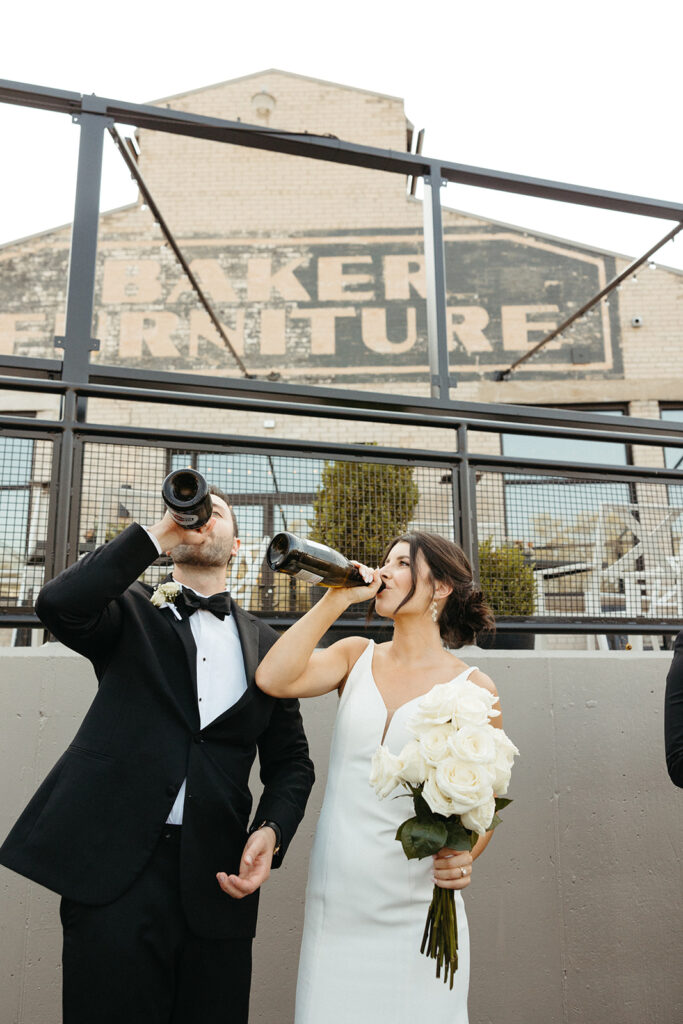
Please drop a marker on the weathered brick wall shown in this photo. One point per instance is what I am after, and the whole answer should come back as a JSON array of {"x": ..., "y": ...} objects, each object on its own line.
[{"x": 316, "y": 271}]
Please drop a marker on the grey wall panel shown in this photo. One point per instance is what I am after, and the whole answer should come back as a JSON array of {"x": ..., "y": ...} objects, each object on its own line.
[{"x": 574, "y": 909}]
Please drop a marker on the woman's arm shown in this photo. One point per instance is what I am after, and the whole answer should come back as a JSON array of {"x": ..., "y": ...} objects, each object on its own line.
[{"x": 294, "y": 668}]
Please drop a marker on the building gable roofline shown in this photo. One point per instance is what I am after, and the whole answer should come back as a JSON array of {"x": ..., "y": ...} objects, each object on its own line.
[{"x": 275, "y": 71}]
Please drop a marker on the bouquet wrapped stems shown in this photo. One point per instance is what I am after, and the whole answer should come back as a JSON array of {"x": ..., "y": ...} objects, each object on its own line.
[
  {"x": 440, "y": 938},
  {"x": 423, "y": 836}
]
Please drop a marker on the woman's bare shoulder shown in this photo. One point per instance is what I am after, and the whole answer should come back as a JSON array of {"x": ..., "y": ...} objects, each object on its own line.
[
  {"x": 481, "y": 679},
  {"x": 351, "y": 647}
]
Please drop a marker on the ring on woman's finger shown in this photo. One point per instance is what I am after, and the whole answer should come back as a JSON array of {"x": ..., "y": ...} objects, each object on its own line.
[{"x": 463, "y": 872}]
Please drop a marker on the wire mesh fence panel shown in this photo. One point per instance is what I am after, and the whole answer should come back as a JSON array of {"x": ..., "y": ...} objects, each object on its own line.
[
  {"x": 120, "y": 485},
  {"x": 354, "y": 507},
  {"x": 25, "y": 473},
  {"x": 563, "y": 546}
]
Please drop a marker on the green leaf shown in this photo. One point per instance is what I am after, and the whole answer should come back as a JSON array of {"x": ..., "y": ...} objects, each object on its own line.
[
  {"x": 502, "y": 802},
  {"x": 495, "y": 821},
  {"x": 421, "y": 838},
  {"x": 422, "y": 808},
  {"x": 457, "y": 836}
]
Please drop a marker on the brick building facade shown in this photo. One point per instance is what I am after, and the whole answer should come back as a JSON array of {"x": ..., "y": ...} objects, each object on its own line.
[{"x": 316, "y": 271}]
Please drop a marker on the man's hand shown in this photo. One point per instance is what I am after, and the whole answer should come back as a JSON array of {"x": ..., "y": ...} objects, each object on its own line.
[
  {"x": 254, "y": 866},
  {"x": 169, "y": 534}
]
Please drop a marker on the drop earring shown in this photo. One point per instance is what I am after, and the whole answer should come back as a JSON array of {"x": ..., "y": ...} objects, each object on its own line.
[{"x": 434, "y": 610}]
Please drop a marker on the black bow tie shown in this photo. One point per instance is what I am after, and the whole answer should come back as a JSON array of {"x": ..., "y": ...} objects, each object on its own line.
[{"x": 188, "y": 603}]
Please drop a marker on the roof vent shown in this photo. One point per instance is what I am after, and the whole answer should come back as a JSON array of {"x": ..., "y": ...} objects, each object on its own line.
[{"x": 263, "y": 105}]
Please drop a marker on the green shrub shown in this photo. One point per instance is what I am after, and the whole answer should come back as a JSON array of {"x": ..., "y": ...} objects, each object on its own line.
[
  {"x": 506, "y": 579},
  {"x": 360, "y": 506}
]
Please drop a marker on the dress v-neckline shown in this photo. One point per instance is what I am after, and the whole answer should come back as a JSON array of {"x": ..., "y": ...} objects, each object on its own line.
[{"x": 391, "y": 715}]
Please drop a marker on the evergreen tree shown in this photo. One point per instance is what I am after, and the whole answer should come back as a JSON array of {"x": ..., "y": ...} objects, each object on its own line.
[{"x": 361, "y": 506}]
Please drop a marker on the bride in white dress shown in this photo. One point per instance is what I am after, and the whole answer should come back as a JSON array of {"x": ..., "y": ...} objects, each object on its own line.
[{"x": 366, "y": 904}]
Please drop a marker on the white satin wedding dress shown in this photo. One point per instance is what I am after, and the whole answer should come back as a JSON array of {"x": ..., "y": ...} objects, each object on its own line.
[{"x": 366, "y": 903}]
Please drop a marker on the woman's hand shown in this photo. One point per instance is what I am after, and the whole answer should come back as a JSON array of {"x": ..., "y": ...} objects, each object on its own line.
[
  {"x": 354, "y": 595},
  {"x": 452, "y": 868},
  {"x": 294, "y": 667}
]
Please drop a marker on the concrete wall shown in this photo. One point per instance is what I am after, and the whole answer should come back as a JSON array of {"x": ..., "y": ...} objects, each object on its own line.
[{"x": 574, "y": 909}]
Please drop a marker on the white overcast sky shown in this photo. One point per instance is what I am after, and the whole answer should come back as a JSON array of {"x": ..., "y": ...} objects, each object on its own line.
[{"x": 582, "y": 92}]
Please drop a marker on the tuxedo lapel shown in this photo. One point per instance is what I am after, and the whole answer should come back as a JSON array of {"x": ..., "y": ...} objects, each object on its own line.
[
  {"x": 247, "y": 627},
  {"x": 184, "y": 630}
]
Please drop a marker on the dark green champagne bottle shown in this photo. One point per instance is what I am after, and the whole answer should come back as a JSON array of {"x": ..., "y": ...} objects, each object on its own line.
[
  {"x": 187, "y": 497},
  {"x": 310, "y": 562}
]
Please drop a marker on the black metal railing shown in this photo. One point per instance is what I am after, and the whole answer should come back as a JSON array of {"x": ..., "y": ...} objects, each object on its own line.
[{"x": 558, "y": 546}]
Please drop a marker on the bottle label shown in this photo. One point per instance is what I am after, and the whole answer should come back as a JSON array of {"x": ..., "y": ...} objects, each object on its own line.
[
  {"x": 185, "y": 518},
  {"x": 306, "y": 577}
]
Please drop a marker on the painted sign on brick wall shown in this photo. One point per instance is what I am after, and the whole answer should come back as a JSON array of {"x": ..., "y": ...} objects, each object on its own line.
[{"x": 344, "y": 305}]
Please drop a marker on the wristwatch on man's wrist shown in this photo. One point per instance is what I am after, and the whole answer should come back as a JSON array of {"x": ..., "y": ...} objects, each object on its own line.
[{"x": 276, "y": 829}]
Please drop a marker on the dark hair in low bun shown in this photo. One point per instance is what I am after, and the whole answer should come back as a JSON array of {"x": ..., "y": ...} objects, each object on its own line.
[{"x": 465, "y": 613}]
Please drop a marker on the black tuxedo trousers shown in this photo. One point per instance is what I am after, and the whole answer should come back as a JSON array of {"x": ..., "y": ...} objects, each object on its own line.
[{"x": 136, "y": 961}]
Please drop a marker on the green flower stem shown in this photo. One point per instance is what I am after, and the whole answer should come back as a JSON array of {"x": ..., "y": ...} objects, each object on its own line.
[{"x": 440, "y": 936}]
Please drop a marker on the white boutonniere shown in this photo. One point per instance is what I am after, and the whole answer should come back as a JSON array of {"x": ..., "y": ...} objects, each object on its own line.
[{"x": 165, "y": 593}]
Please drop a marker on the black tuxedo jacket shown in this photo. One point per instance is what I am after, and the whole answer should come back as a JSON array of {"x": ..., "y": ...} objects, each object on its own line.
[
  {"x": 94, "y": 822},
  {"x": 673, "y": 715}
]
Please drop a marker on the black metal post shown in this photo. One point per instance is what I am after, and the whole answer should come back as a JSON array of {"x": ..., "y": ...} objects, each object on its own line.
[
  {"x": 435, "y": 271},
  {"x": 467, "y": 511},
  {"x": 77, "y": 341}
]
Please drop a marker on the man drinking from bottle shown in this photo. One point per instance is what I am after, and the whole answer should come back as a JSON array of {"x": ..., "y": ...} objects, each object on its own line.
[{"x": 144, "y": 825}]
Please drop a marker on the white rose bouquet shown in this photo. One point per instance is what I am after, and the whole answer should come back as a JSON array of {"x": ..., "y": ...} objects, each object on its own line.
[{"x": 457, "y": 770}]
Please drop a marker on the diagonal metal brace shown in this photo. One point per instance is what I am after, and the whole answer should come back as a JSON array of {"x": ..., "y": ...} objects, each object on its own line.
[{"x": 136, "y": 174}]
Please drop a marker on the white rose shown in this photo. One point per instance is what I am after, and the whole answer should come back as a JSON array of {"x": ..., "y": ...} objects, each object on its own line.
[
  {"x": 465, "y": 785},
  {"x": 474, "y": 743},
  {"x": 502, "y": 766},
  {"x": 436, "y": 799},
  {"x": 505, "y": 746},
  {"x": 479, "y": 818},
  {"x": 501, "y": 779},
  {"x": 473, "y": 705},
  {"x": 384, "y": 772},
  {"x": 434, "y": 743},
  {"x": 433, "y": 709},
  {"x": 413, "y": 766},
  {"x": 158, "y": 599}
]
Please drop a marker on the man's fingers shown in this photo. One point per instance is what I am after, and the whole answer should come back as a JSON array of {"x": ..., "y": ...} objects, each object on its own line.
[
  {"x": 254, "y": 868},
  {"x": 236, "y": 886}
]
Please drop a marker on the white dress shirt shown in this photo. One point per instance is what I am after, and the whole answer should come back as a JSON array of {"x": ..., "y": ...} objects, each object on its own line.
[{"x": 221, "y": 678}]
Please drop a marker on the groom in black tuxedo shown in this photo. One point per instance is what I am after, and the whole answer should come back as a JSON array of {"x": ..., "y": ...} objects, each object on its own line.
[{"x": 143, "y": 823}]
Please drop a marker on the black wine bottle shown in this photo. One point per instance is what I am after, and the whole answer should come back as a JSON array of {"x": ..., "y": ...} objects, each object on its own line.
[
  {"x": 311, "y": 562},
  {"x": 186, "y": 496}
]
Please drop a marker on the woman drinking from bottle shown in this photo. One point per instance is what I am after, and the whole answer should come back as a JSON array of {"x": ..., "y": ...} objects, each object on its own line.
[{"x": 365, "y": 903}]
